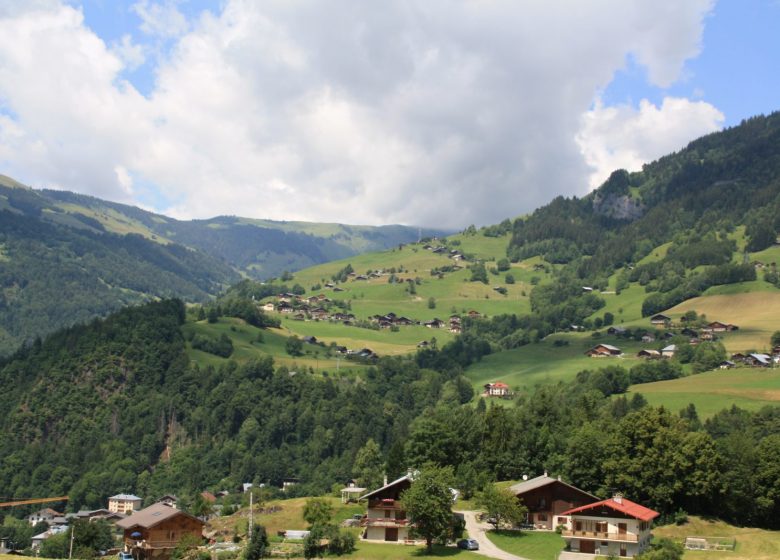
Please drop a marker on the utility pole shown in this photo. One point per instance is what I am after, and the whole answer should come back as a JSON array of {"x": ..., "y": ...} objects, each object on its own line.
[
  {"x": 251, "y": 514},
  {"x": 72, "y": 534}
]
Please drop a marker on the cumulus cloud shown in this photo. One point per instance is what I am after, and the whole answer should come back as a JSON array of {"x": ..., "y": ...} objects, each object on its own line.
[
  {"x": 436, "y": 113},
  {"x": 625, "y": 137}
]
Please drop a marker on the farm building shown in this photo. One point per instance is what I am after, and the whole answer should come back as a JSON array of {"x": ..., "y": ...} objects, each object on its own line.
[
  {"x": 649, "y": 354},
  {"x": 660, "y": 320},
  {"x": 497, "y": 389},
  {"x": 603, "y": 351},
  {"x": 548, "y": 498}
]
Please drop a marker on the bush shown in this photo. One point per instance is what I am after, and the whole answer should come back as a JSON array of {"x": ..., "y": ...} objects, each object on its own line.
[{"x": 221, "y": 346}]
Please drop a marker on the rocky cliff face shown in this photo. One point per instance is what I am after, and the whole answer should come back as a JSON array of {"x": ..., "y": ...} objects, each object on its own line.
[{"x": 620, "y": 207}]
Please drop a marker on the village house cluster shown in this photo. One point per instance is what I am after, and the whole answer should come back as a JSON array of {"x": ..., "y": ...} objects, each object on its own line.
[{"x": 590, "y": 526}]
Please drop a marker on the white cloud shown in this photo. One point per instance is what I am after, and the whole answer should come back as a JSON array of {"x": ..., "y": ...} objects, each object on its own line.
[
  {"x": 625, "y": 137},
  {"x": 162, "y": 19},
  {"x": 440, "y": 113},
  {"x": 132, "y": 54}
]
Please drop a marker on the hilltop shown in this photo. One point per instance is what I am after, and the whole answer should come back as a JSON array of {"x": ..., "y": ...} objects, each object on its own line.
[{"x": 66, "y": 258}]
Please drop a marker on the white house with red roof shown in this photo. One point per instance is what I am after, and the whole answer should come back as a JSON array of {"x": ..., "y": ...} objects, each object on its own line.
[
  {"x": 616, "y": 526},
  {"x": 497, "y": 389}
]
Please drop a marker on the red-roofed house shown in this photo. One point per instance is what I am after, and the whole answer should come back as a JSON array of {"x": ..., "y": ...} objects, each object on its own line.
[
  {"x": 497, "y": 389},
  {"x": 616, "y": 526}
]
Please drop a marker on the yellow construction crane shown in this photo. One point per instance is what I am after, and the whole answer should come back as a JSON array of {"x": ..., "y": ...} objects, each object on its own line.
[{"x": 33, "y": 501}]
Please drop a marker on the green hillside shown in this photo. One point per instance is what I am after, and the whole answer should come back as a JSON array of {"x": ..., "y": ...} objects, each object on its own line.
[{"x": 66, "y": 258}]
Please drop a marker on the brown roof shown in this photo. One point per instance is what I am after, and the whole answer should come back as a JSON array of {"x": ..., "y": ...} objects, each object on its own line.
[{"x": 151, "y": 516}]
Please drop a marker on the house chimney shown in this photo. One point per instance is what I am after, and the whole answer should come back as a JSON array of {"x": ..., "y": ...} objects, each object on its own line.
[
  {"x": 618, "y": 497},
  {"x": 545, "y": 472},
  {"x": 559, "y": 478},
  {"x": 385, "y": 480}
]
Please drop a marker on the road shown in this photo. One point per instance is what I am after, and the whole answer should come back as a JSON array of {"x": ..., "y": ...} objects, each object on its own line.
[{"x": 476, "y": 530}]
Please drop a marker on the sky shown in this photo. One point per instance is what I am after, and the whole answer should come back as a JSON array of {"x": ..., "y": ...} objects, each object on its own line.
[{"x": 436, "y": 113}]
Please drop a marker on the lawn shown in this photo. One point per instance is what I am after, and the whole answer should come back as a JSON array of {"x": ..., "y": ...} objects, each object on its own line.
[
  {"x": 757, "y": 313},
  {"x": 712, "y": 391},
  {"x": 382, "y": 551},
  {"x": 752, "y": 544},
  {"x": 246, "y": 347},
  {"x": 543, "y": 362},
  {"x": 535, "y": 545}
]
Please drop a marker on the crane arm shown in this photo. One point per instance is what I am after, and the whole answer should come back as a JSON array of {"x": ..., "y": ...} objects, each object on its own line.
[{"x": 33, "y": 501}]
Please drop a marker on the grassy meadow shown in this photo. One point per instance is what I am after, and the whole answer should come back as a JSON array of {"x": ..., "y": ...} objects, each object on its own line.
[
  {"x": 752, "y": 544},
  {"x": 711, "y": 391},
  {"x": 533, "y": 545}
]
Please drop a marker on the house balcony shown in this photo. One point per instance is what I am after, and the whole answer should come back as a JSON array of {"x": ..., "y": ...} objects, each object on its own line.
[
  {"x": 391, "y": 505},
  {"x": 383, "y": 522},
  {"x": 599, "y": 536},
  {"x": 151, "y": 545}
]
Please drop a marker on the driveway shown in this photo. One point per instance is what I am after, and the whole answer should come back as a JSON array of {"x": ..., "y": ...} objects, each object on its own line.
[{"x": 476, "y": 530}]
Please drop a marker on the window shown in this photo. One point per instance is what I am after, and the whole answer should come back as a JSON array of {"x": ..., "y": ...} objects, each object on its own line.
[
  {"x": 601, "y": 527},
  {"x": 541, "y": 517}
]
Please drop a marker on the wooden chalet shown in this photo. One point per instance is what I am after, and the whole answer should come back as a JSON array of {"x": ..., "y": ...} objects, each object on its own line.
[
  {"x": 717, "y": 326},
  {"x": 758, "y": 360},
  {"x": 613, "y": 527},
  {"x": 155, "y": 531},
  {"x": 660, "y": 319},
  {"x": 604, "y": 351},
  {"x": 547, "y": 498},
  {"x": 649, "y": 354},
  {"x": 385, "y": 519},
  {"x": 434, "y": 324},
  {"x": 669, "y": 351}
]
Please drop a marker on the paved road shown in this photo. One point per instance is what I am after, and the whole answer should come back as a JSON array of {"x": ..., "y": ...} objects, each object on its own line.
[{"x": 476, "y": 530}]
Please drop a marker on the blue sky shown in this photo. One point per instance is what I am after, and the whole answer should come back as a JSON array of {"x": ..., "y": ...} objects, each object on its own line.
[
  {"x": 443, "y": 112},
  {"x": 738, "y": 70}
]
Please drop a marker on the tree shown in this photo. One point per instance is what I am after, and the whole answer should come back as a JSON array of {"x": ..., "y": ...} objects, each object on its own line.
[
  {"x": 395, "y": 465},
  {"x": 478, "y": 273},
  {"x": 431, "y": 303},
  {"x": 503, "y": 265},
  {"x": 663, "y": 549},
  {"x": 213, "y": 315},
  {"x": 428, "y": 503},
  {"x": 258, "y": 545},
  {"x": 501, "y": 506},
  {"x": 775, "y": 339},
  {"x": 509, "y": 279},
  {"x": 294, "y": 346},
  {"x": 317, "y": 512},
  {"x": 369, "y": 465}
]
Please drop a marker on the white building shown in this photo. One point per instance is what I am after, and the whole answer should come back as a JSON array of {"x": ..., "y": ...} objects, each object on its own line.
[
  {"x": 385, "y": 520},
  {"x": 124, "y": 503},
  {"x": 616, "y": 526}
]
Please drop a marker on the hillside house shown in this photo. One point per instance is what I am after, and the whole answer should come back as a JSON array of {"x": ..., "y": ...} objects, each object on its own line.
[
  {"x": 497, "y": 389},
  {"x": 617, "y": 331},
  {"x": 285, "y": 307},
  {"x": 738, "y": 357},
  {"x": 649, "y": 354},
  {"x": 268, "y": 306},
  {"x": 434, "y": 324},
  {"x": 385, "y": 520},
  {"x": 456, "y": 328},
  {"x": 124, "y": 503},
  {"x": 727, "y": 364},
  {"x": 474, "y": 314},
  {"x": 547, "y": 498},
  {"x": 289, "y": 482},
  {"x": 169, "y": 500},
  {"x": 758, "y": 360},
  {"x": 617, "y": 527},
  {"x": 669, "y": 351},
  {"x": 717, "y": 326},
  {"x": 604, "y": 351},
  {"x": 648, "y": 338},
  {"x": 155, "y": 531},
  {"x": 45, "y": 514},
  {"x": 660, "y": 320}
]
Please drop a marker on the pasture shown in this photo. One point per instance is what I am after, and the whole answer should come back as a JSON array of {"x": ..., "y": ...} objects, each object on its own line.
[{"x": 712, "y": 391}]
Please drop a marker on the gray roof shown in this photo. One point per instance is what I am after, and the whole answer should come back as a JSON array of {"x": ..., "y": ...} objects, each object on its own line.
[
  {"x": 403, "y": 478},
  {"x": 763, "y": 358},
  {"x": 539, "y": 482},
  {"x": 151, "y": 516},
  {"x": 124, "y": 497},
  {"x": 670, "y": 348}
]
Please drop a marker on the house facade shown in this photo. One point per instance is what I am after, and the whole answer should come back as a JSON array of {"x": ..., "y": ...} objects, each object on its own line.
[
  {"x": 616, "y": 526},
  {"x": 124, "y": 503},
  {"x": 497, "y": 389},
  {"x": 547, "y": 498},
  {"x": 604, "y": 351},
  {"x": 45, "y": 514},
  {"x": 155, "y": 531},
  {"x": 385, "y": 519}
]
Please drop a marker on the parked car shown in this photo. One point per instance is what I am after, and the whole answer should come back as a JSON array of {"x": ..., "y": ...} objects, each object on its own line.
[
  {"x": 124, "y": 556},
  {"x": 468, "y": 544}
]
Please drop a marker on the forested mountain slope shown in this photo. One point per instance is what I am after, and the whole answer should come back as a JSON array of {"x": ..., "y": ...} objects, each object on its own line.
[{"x": 65, "y": 258}]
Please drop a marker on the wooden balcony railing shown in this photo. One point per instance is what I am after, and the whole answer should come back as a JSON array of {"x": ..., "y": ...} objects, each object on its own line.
[
  {"x": 597, "y": 535},
  {"x": 383, "y": 522},
  {"x": 384, "y": 504}
]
